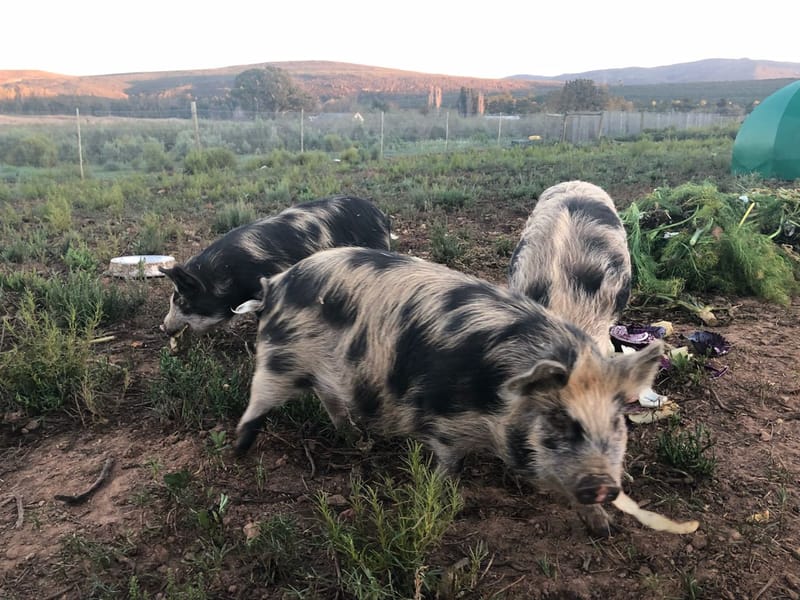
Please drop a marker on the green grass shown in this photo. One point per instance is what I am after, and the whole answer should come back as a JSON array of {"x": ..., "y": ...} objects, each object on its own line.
[
  {"x": 78, "y": 297},
  {"x": 233, "y": 215},
  {"x": 687, "y": 449},
  {"x": 48, "y": 364},
  {"x": 198, "y": 386},
  {"x": 384, "y": 546},
  {"x": 446, "y": 247}
]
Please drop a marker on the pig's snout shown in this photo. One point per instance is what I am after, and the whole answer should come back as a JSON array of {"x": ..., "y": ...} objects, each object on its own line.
[{"x": 596, "y": 489}]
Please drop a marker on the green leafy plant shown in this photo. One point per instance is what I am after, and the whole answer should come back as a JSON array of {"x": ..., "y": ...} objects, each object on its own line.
[
  {"x": 695, "y": 238},
  {"x": 384, "y": 546}
]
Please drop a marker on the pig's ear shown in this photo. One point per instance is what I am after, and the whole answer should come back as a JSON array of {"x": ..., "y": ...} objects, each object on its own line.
[
  {"x": 544, "y": 376},
  {"x": 185, "y": 282},
  {"x": 256, "y": 304},
  {"x": 640, "y": 368}
]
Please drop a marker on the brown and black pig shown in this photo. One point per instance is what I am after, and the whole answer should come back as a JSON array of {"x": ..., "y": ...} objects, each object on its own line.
[{"x": 412, "y": 348}]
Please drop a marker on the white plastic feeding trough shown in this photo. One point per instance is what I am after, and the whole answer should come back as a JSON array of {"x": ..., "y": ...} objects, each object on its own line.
[{"x": 137, "y": 266}]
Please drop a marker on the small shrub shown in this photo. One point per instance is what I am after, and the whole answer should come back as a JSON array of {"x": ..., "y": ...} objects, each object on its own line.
[
  {"x": 384, "y": 547},
  {"x": 58, "y": 213},
  {"x": 351, "y": 156},
  {"x": 504, "y": 247},
  {"x": 280, "y": 195},
  {"x": 231, "y": 216},
  {"x": 211, "y": 159},
  {"x": 687, "y": 449},
  {"x": 154, "y": 235},
  {"x": 446, "y": 248},
  {"x": 32, "y": 151},
  {"x": 78, "y": 257},
  {"x": 79, "y": 296},
  {"x": 198, "y": 386},
  {"x": 275, "y": 549},
  {"x": 155, "y": 157},
  {"x": 47, "y": 366},
  {"x": 32, "y": 245},
  {"x": 450, "y": 199}
]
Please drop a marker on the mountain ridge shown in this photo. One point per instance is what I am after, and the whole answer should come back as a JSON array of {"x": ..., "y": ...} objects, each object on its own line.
[
  {"x": 699, "y": 71},
  {"x": 329, "y": 80}
]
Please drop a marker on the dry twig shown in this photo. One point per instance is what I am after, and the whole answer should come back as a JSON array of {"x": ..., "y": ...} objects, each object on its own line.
[
  {"x": 81, "y": 498},
  {"x": 506, "y": 588},
  {"x": 20, "y": 510},
  {"x": 765, "y": 588},
  {"x": 310, "y": 459}
]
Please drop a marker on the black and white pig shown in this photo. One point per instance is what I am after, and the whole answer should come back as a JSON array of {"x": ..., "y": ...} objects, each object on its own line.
[
  {"x": 409, "y": 347},
  {"x": 228, "y": 272},
  {"x": 573, "y": 258}
]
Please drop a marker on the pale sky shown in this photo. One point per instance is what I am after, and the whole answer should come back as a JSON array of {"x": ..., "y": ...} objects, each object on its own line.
[{"x": 481, "y": 39}]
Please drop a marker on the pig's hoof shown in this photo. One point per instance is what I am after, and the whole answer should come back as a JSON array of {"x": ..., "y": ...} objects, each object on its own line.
[
  {"x": 597, "y": 521},
  {"x": 247, "y": 435}
]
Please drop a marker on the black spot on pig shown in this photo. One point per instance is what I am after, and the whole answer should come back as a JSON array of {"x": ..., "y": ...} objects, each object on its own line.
[
  {"x": 358, "y": 346},
  {"x": 587, "y": 277},
  {"x": 539, "y": 291},
  {"x": 304, "y": 382},
  {"x": 302, "y": 287},
  {"x": 621, "y": 299},
  {"x": 367, "y": 398},
  {"x": 519, "y": 449},
  {"x": 281, "y": 362},
  {"x": 566, "y": 430},
  {"x": 592, "y": 210},
  {"x": 277, "y": 331},
  {"x": 595, "y": 245},
  {"x": 338, "y": 309},
  {"x": 467, "y": 294},
  {"x": 445, "y": 380},
  {"x": 377, "y": 261},
  {"x": 313, "y": 231},
  {"x": 512, "y": 265}
]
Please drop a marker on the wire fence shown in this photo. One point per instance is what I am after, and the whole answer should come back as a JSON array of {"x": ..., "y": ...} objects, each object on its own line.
[{"x": 113, "y": 140}]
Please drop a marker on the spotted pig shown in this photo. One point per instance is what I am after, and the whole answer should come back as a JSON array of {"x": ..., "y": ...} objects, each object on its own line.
[
  {"x": 215, "y": 281},
  {"x": 411, "y": 348},
  {"x": 573, "y": 258}
]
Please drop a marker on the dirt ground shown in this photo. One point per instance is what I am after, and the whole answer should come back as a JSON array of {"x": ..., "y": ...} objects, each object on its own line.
[{"x": 747, "y": 546}]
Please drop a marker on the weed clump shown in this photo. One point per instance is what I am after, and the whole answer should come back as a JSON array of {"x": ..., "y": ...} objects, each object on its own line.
[
  {"x": 47, "y": 365},
  {"x": 383, "y": 549},
  {"x": 198, "y": 386},
  {"x": 687, "y": 449},
  {"x": 233, "y": 215}
]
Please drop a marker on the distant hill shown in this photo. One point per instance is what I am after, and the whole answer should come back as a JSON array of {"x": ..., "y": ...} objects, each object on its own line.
[
  {"x": 708, "y": 70},
  {"x": 322, "y": 79}
]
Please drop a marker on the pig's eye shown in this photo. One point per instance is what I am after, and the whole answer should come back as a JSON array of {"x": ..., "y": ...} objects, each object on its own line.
[
  {"x": 179, "y": 300},
  {"x": 572, "y": 429}
]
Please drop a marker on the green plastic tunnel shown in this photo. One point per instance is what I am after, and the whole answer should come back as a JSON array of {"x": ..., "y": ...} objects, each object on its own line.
[{"x": 768, "y": 141}]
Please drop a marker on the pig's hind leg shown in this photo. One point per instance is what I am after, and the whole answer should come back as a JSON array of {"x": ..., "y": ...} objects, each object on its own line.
[{"x": 267, "y": 390}]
